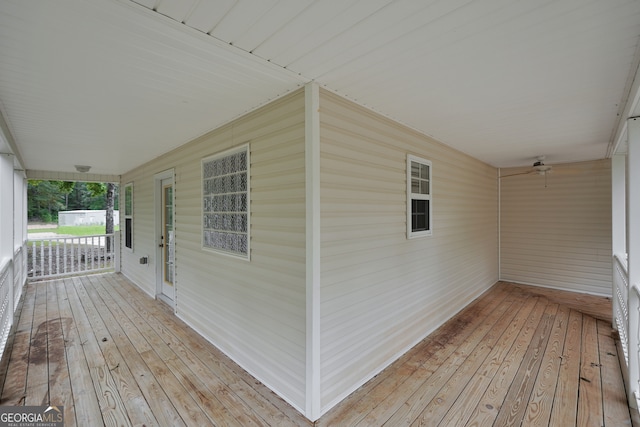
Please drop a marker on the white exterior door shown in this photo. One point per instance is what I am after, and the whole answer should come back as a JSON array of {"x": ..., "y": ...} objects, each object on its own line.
[{"x": 166, "y": 237}]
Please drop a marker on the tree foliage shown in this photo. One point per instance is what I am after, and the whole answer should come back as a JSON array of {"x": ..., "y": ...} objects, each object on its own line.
[{"x": 47, "y": 198}]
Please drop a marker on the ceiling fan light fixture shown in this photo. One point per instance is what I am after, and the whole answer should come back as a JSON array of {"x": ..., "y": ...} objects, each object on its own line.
[{"x": 541, "y": 167}]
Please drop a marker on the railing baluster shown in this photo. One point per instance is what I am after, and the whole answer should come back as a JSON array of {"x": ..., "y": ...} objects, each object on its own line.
[
  {"x": 82, "y": 265},
  {"x": 35, "y": 259},
  {"x": 57, "y": 256},
  {"x": 93, "y": 257},
  {"x": 42, "y": 257},
  {"x": 74, "y": 249},
  {"x": 49, "y": 260},
  {"x": 31, "y": 268},
  {"x": 64, "y": 255}
]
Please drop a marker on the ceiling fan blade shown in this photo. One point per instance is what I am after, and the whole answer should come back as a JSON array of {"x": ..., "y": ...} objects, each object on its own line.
[{"x": 516, "y": 174}]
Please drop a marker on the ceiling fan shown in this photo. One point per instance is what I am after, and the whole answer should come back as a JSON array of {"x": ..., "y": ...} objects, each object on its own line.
[{"x": 538, "y": 168}]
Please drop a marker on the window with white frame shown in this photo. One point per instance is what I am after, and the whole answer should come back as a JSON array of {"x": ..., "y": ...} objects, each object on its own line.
[
  {"x": 418, "y": 197},
  {"x": 128, "y": 216},
  {"x": 225, "y": 202}
]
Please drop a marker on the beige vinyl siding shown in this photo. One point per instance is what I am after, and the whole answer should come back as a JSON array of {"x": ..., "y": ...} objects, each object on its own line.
[
  {"x": 143, "y": 236},
  {"x": 558, "y": 235},
  {"x": 381, "y": 292},
  {"x": 252, "y": 310}
]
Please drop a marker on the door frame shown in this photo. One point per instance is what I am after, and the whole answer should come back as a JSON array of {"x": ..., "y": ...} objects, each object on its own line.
[{"x": 158, "y": 208}]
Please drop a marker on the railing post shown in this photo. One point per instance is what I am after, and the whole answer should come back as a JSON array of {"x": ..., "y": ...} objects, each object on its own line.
[
  {"x": 634, "y": 348},
  {"x": 116, "y": 251}
]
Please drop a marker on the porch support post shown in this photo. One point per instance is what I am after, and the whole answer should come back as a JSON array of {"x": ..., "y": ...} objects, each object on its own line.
[
  {"x": 6, "y": 207},
  {"x": 633, "y": 201},
  {"x": 312, "y": 177},
  {"x": 116, "y": 251},
  {"x": 618, "y": 233},
  {"x": 7, "y": 225},
  {"x": 633, "y": 255},
  {"x": 618, "y": 205}
]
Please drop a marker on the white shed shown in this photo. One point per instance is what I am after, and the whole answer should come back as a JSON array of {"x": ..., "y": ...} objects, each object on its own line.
[{"x": 85, "y": 217}]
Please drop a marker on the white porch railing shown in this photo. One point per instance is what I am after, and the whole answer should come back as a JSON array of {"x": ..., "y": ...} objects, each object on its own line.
[
  {"x": 6, "y": 308},
  {"x": 65, "y": 256},
  {"x": 620, "y": 301},
  {"x": 634, "y": 347},
  {"x": 626, "y": 313},
  {"x": 19, "y": 272}
]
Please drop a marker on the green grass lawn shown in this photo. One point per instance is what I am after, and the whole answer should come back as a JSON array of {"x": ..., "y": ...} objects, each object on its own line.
[{"x": 80, "y": 230}]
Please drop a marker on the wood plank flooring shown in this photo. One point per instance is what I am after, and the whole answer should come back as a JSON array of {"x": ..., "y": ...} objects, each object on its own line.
[
  {"x": 115, "y": 357},
  {"x": 517, "y": 356},
  {"x": 111, "y": 355}
]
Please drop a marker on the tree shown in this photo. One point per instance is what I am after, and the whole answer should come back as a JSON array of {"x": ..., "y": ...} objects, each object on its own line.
[
  {"x": 99, "y": 188},
  {"x": 87, "y": 196},
  {"x": 45, "y": 200},
  {"x": 66, "y": 188},
  {"x": 109, "y": 207}
]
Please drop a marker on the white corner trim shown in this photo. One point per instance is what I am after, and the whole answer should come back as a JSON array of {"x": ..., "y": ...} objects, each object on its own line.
[{"x": 312, "y": 187}]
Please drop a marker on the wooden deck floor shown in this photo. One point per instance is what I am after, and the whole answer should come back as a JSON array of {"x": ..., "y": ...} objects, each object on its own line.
[
  {"x": 111, "y": 355},
  {"x": 518, "y": 355}
]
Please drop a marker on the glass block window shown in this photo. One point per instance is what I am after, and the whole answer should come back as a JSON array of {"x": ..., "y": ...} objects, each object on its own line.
[
  {"x": 225, "y": 202},
  {"x": 128, "y": 216},
  {"x": 418, "y": 197}
]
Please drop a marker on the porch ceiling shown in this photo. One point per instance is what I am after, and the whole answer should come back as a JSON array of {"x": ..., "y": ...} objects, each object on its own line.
[{"x": 115, "y": 83}]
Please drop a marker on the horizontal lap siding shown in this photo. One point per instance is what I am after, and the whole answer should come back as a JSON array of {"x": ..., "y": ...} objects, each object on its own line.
[
  {"x": 558, "y": 235},
  {"x": 142, "y": 275},
  {"x": 252, "y": 310},
  {"x": 380, "y": 292}
]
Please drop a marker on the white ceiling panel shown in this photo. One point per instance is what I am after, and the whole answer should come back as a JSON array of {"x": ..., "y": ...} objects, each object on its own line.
[
  {"x": 242, "y": 17},
  {"x": 151, "y": 4},
  {"x": 270, "y": 23},
  {"x": 313, "y": 42},
  {"x": 208, "y": 13},
  {"x": 502, "y": 80},
  {"x": 375, "y": 35},
  {"x": 112, "y": 86},
  {"x": 175, "y": 9},
  {"x": 305, "y": 23}
]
